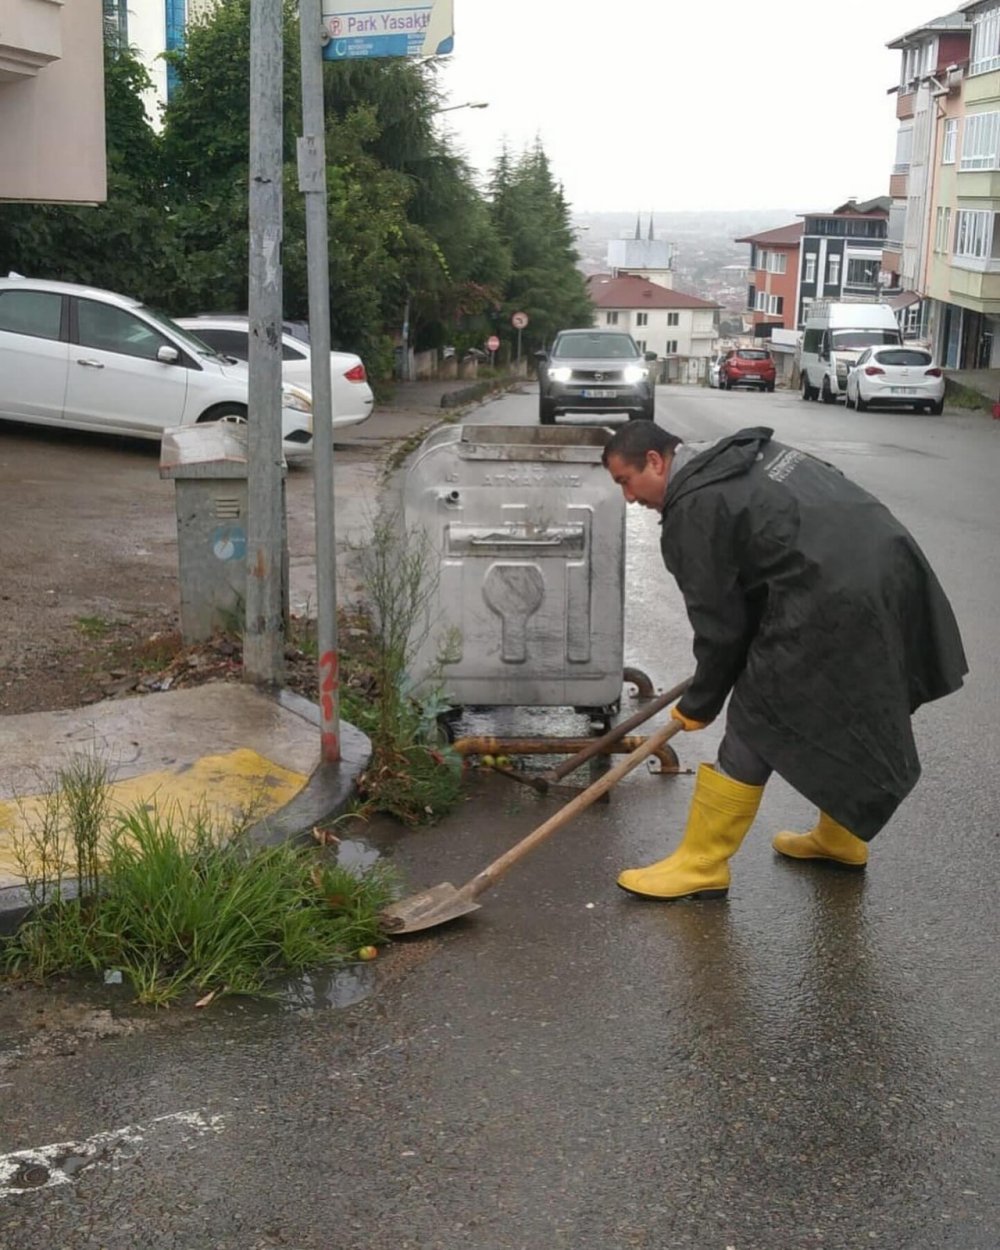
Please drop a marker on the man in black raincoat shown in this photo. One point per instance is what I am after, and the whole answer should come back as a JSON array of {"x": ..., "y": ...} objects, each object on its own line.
[{"x": 815, "y": 612}]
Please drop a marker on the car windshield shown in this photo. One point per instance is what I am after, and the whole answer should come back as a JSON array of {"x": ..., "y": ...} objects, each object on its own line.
[
  {"x": 854, "y": 340},
  {"x": 749, "y": 354},
  {"x": 191, "y": 341},
  {"x": 594, "y": 347},
  {"x": 903, "y": 356}
]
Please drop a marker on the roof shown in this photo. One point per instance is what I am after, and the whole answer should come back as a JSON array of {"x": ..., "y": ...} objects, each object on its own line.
[
  {"x": 955, "y": 21},
  {"x": 877, "y": 207},
  {"x": 781, "y": 236},
  {"x": 631, "y": 291}
]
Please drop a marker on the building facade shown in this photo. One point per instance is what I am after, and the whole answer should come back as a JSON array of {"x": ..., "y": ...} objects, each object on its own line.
[
  {"x": 772, "y": 293},
  {"x": 841, "y": 254},
  {"x": 152, "y": 28},
  {"x": 52, "y": 145}
]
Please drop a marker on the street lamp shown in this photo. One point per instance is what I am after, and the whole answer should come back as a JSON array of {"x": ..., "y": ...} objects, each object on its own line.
[{"x": 472, "y": 104}]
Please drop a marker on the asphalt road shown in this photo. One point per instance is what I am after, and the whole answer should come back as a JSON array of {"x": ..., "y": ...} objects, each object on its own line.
[{"x": 811, "y": 1065}]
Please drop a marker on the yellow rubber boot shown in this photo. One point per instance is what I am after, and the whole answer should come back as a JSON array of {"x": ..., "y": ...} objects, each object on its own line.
[
  {"x": 827, "y": 841},
  {"x": 722, "y": 810}
]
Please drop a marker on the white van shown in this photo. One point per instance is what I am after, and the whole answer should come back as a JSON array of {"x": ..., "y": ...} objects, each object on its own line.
[{"x": 835, "y": 335}]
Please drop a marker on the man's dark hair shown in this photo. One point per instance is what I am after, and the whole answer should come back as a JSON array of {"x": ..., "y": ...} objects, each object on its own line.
[{"x": 633, "y": 440}]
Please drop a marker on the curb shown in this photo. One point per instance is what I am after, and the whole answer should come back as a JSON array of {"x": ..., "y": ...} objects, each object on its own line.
[
  {"x": 327, "y": 794},
  {"x": 479, "y": 390}
]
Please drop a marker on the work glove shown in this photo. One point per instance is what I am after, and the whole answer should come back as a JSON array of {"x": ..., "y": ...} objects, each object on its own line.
[{"x": 686, "y": 721}]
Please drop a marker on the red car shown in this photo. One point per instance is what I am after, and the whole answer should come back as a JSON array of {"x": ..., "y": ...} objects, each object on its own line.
[{"x": 747, "y": 366}]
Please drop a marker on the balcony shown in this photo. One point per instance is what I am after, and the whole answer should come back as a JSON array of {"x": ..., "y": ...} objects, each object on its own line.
[
  {"x": 980, "y": 87},
  {"x": 905, "y": 103},
  {"x": 977, "y": 290},
  {"x": 30, "y": 37}
]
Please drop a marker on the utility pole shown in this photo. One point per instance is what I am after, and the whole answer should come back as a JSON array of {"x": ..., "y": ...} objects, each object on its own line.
[
  {"x": 312, "y": 183},
  {"x": 264, "y": 632}
]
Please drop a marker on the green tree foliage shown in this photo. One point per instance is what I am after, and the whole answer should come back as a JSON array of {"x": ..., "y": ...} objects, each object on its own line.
[{"x": 532, "y": 218}]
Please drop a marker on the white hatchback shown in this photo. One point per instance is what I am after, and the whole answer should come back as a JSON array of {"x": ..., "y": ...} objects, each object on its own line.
[
  {"x": 896, "y": 377},
  {"x": 81, "y": 358},
  {"x": 351, "y": 394}
]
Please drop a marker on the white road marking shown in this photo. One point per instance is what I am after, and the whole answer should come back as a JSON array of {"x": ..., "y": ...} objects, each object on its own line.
[{"x": 42, "y": 1167}]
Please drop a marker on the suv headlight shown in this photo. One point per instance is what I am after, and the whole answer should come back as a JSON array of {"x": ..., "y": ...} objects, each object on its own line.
[
  {"x": 633, "y": 374},
  {"x": 561, "y": 373}
]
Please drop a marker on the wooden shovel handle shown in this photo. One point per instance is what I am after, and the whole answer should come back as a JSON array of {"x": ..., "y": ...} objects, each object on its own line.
[{"x": 492, "y": 873}]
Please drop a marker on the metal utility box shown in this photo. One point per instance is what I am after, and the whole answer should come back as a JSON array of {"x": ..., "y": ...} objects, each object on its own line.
[
  {"x": 208, "y": 464},
  {"x": 528, "y": 529}
]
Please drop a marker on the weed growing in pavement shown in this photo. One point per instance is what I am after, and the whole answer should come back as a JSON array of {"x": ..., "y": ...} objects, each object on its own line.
[
  {"x": 93, "y": 626},
  {"x": 180, "y": 906},
  {"x": 413, "y": 776}
]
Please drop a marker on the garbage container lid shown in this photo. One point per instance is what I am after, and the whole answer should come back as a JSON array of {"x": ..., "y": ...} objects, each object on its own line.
[{"x": 211, "y": 449}]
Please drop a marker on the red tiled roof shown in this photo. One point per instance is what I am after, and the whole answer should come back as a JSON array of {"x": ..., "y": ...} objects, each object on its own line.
[
  {"x": 631, "y": 291},
  {"x": 782, "y": 236}
]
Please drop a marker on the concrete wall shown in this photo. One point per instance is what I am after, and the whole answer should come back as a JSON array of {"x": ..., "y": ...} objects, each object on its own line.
[{"x": 52, "y": 112}]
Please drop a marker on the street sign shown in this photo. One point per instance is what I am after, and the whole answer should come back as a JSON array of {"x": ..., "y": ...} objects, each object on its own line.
[
  {"x": 375, "y": 28},
  {"x": 492, "y": 343},
  {"x": 519, "y": 320}
]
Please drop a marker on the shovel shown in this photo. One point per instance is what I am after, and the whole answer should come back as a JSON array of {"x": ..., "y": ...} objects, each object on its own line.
[{"x": 444, "y": 902}]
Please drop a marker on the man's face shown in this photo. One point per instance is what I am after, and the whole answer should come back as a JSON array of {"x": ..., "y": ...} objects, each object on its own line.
[{"x": 646, "y": 486}]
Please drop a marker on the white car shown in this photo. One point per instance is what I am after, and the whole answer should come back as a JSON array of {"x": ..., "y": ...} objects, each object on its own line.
[
  {"x": 896, "y": 377},
  {"x": 85, "y": 359},
  {"x": 229, "y": 334}
]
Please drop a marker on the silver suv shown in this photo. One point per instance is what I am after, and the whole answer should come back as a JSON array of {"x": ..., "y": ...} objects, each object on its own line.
[{"x": 595, "y": 371}]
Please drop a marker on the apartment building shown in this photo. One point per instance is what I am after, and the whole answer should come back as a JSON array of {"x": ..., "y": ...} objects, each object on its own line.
[
  {"x": 52, "y": 102},
  {"x": 773, "y": 289},
  {"x": 151, "y": 28},
  {"x": 841, "y": 254}
]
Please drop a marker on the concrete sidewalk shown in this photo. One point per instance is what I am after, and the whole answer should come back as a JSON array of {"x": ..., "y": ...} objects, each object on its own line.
[{"x": 224, "y": 749}]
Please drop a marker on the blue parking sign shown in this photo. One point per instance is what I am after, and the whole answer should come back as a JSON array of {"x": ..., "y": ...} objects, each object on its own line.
[{"x": 377, "y": 28}]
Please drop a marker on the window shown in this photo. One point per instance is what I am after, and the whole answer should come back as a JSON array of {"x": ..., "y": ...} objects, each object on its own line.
[
  {"x": 973, "y": 234},
  {"x": 777, "y": 262},
  {"x": 641, "y": 344},
  {"x": 31, "y": 312},
  {"x": 810, "y": 272},
  {"x": 671, "y": 347},
  {"x": 761, "y": 302},
  {"x": 235, "y": 343},
  {"x": 762, "y": 258},
  {"x": 673, "y": 319},
  {"x": 109, "y": 329},
  {"x": 775, "y": 305},
  {"x": 751, "y": 295},
  {"x": 985, "y": 53},
  {"x": 942, "y": 229},
  {"x": 611, "y": 318},
  {"x": 862, "y": 272},
  {"x": 981, "y": 141},
  {"x": 904, "y": 150},
  {"x": 833, "y": 270},
  {"x": 950, "y": 142},
  {"x": 642, "y": 319}
]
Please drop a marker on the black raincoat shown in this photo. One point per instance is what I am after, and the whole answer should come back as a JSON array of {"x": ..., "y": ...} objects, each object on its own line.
[{"x": 816, "y": 610}]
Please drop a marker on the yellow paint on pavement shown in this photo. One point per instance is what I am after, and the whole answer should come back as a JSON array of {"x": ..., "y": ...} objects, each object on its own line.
[{"x": 228, "y": 790}]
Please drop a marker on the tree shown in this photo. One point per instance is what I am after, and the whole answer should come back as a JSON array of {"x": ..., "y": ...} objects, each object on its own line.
[{"x": 532, "y": 217}]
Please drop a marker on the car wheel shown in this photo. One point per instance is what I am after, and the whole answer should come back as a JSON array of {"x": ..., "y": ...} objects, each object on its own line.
[
  {"x": 234, "y": 413},
  {"x": 827, "y": 395},
  {"x": 937, "y": 408},
  {"x": 808, "y": 392},
  {"x": 546, "y": 412},
  {"x": 769, "y": 388},
  {"x": 859, "y": 403}
]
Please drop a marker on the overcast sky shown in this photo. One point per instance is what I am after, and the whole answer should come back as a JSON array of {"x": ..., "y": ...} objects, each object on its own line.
[{"x": 685, "y": 104}]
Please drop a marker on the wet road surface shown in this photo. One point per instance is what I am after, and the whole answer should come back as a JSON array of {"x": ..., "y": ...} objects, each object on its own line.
[{"x": 811, "y": 1065}]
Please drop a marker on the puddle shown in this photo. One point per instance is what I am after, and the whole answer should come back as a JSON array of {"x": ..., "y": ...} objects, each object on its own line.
[{"x": 318, "y": 991}]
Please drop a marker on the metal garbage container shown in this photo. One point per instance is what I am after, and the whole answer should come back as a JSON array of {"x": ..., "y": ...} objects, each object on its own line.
[
  {"x": 528, "y": 529},
  {"x": 208, "y": 464}
]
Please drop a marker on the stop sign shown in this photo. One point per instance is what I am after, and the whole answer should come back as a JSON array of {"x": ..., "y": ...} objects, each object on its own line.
[{"x": 492, "y": 343}]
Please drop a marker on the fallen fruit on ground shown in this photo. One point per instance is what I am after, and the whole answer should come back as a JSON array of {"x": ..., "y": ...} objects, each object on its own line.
[
  {"x": 487, "y": 761},
  {"x": 367, "y": 952}
]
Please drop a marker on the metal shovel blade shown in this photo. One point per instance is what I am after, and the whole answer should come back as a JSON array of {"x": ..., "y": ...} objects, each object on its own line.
[{"x": 431, "y": 907}]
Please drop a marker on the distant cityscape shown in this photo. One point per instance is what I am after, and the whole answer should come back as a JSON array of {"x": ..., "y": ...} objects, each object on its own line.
[{"x": 707, "y": 261}]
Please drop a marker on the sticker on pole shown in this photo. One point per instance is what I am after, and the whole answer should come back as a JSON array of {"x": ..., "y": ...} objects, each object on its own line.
[
  {"x": 376, "y": 28},
  {"x": 519, "y": 320}
]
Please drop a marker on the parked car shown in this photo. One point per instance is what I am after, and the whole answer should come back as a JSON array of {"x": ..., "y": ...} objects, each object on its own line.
[
  {"x": 714, "y": 368},
  {"x": 86, "y": 359},
  {"x": 591, "y": 370},
  {"x": 896, "y": 377},
  {"x": 229, "y": 334},
  {"x": 747, "y": 366}
]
